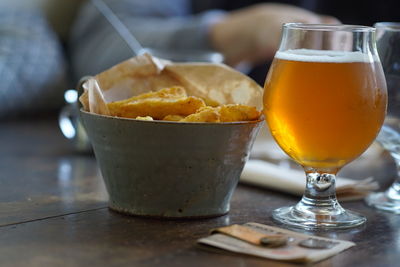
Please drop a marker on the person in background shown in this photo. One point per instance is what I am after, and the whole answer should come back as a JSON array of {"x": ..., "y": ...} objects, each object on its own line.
[
  {"x": 34, "y": 70},
  {"x": 247, "y": 36},
  {"x": 32, "y": 64}
]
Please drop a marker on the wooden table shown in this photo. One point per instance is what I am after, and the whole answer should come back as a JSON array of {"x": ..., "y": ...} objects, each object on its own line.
[{"x": 53, "y": 212}]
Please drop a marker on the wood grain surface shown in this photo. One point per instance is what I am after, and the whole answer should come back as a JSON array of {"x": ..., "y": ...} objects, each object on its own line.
[{"x": 53, "y": 212}]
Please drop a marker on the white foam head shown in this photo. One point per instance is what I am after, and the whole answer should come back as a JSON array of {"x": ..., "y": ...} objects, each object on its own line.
[{"x": 309, "y": 55}]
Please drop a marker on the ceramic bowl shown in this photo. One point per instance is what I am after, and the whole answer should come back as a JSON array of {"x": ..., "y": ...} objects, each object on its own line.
[{"x": 169, "y": 169}]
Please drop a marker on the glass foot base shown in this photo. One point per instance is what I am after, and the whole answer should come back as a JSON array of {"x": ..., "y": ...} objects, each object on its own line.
[
  {"x": 312, "y": 219},
  {"x": 383, "y": 202}
]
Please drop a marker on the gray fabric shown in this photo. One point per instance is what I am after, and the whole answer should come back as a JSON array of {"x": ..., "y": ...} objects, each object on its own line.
[
  {"x": 96, "y": 46},
  {"x": 32, "y": 68}
]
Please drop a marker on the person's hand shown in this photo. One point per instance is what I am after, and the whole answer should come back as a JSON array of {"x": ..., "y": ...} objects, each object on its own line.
[{"x": 252, "y": 34}]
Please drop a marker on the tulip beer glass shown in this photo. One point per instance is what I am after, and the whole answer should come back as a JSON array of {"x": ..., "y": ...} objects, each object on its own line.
[
  {"x": 388, "y": 36},
  {"x": 324, "y": 101}
]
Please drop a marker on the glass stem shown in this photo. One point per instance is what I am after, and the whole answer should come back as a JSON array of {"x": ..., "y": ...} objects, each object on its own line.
[{"x": 320, "y": 194}]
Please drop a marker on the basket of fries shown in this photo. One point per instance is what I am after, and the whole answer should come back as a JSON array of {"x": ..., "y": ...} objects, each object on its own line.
[{"x": 171, "y": 139}]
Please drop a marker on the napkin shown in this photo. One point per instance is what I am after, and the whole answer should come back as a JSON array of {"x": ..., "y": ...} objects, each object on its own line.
[{"x": 265, "y": 174}]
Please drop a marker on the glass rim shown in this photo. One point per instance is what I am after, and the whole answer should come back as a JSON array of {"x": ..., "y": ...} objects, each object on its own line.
[
  {"x": 328, "y": 27},
  {"x": 390, "y": 26}
]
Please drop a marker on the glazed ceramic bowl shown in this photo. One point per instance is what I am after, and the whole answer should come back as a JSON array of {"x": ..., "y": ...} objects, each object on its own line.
[{"x": 169, "y": 169}]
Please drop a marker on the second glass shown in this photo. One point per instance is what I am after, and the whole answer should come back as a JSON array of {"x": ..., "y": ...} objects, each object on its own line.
[
  {"x": 389, "y": 52},
  {"x": 324, "y": 101}
]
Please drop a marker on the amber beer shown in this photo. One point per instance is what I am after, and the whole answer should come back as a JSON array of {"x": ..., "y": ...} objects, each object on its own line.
[{"x": 324, "y": 110}]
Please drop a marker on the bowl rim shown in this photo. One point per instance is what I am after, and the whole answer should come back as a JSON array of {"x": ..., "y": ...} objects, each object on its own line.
[{"x": 261, "y": 119}]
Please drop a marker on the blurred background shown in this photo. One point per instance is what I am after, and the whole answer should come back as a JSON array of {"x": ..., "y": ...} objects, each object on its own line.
[{"x": 46, "y": 46}]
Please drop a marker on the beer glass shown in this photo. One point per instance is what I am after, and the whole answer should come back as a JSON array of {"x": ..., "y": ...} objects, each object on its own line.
[
  {"x": 324, "y": 101},
  {"x": 388, "y": 43}
]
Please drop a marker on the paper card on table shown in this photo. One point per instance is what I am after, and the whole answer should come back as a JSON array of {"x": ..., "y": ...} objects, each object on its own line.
[{"x": 296, "y": 249}]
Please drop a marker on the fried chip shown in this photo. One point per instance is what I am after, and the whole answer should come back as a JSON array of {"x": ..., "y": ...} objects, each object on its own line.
[
  {"x": 206, "y": 114},
  {"x": 175, "y": 92},
  {"x": 173, "y": 104},
  {"x": 225, "y": 113},
  {"x": 173, "y": 118},
  {"x": 157, "y": 105},
  {"x": 158, "y": 108},
  {"x": 232, "y": 112}
]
